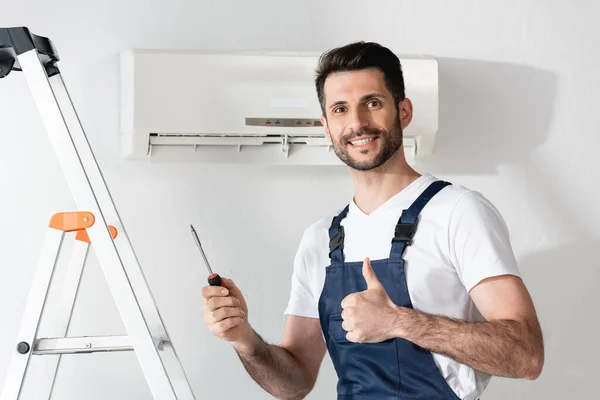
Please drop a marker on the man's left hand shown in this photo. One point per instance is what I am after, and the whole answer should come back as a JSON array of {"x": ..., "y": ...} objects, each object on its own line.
[{"x": 370, "y": 316}]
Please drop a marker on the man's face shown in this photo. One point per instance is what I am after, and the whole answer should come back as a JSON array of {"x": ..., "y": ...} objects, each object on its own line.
[{"x": 363, "y": 122}]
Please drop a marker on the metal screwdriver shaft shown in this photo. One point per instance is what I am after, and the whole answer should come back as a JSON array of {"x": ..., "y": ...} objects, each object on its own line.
[{"x": 213, "y": 279}]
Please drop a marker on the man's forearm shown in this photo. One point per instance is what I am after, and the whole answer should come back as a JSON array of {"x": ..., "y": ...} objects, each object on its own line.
[
  {"x": 274, "y": 368},
  {"x": 505, "y": 348}
]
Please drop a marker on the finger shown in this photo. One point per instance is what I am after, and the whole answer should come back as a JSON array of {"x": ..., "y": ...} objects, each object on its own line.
[
  {"x": 226, "y": 312},
  {"x": 227, "y": 324},
  {"x": 349, "y": 301},
  {"x": 217, "y": 302},
  {"x": 347, "y": 326},
  {"x": 353, "y": 337},
  {"x": 214, "y": 291},
  {"x": 347, "y": 313},
  {"x": 369, "y": 275},
  {"x": 232, "y": 287}
]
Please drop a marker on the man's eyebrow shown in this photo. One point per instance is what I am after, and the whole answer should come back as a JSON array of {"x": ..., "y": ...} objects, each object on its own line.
[
  {"x": 370, "y": 96},
  {"x": 337, "y": 103},
  {"x": 363, "y": 98}
]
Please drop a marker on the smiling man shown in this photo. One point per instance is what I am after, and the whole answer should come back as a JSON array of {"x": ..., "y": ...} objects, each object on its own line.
[{"x": 412, "y": 287}]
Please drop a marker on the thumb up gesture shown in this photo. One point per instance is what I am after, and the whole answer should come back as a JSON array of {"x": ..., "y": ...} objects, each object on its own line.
[{"x": 369, "y": 316}]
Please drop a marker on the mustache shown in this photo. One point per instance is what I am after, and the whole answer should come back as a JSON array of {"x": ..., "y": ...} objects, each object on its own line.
[{"x": 362, "y": 132}]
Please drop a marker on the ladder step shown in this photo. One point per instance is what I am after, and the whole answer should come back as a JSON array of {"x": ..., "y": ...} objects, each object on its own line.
[{"x": 86, "y": 344}]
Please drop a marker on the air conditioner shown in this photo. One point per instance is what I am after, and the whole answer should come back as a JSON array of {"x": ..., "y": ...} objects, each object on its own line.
[{"x": 246, "y": 107}]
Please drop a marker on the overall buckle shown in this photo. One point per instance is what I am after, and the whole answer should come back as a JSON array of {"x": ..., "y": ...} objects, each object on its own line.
[
  {"x": 404, "y": 232},
  {"x": 337, "y": 241}
]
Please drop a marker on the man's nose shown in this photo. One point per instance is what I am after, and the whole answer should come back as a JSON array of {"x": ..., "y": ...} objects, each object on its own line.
[{"x": 359, "y": 119}]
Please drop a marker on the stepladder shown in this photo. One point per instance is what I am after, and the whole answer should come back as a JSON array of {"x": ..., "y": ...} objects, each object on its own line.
[{"x": 94, "y": 225}]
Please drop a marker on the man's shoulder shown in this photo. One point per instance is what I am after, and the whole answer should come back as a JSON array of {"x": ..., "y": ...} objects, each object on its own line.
[
  {"x": 463, "y": 198},
  {"x": 453, "y": 192},
  {"x": 450, "y": 196},
  {"x": 463, "y": 206},
  {"x": 322, "y": 224},
  {"x": 458, "y": 203},
  {"x": 315, "y": 237}
]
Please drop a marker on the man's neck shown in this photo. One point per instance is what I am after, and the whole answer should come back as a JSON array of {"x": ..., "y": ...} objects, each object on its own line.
[{"x": 374, "y": 188}]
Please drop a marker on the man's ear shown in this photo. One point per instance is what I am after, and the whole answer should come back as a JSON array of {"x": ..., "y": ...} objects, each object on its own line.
[
  {"x": 326, "y": 128},
  {"x": 405, "y": 111}
]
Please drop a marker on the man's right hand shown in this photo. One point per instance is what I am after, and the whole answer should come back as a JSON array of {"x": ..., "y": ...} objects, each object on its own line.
[
  {"x": 226, "y": 313},
  {"x": 288, "y": 371}
]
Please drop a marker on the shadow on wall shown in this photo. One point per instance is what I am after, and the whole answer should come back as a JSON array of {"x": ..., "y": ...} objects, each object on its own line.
[
  {"x": 564, "y": 284},
  {"x": 490, "y": 114}
]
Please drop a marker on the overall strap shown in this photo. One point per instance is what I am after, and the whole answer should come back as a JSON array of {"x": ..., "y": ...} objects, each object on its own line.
[
  {"x": 407, "y": 224},
  {"x": 336, "y": 237}
]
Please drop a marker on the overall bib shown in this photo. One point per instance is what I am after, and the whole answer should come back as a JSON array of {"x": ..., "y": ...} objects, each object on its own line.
[{"x": 395, "y": 368}]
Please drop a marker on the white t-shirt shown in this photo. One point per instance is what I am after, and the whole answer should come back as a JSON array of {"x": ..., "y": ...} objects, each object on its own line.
[{"x": 461, "y": 239}]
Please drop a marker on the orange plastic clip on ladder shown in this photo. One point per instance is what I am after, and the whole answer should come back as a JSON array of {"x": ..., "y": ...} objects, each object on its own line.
[
  {"x": 77, "y": 221},
  {"x": 95, "y": 226}
]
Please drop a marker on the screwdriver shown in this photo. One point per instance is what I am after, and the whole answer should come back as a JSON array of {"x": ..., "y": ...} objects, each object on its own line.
[{"x": 213, "y": 279}]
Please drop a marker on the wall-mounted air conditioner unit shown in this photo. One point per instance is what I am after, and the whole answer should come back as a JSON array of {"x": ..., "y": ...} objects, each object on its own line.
[{"x": 246, "y": 107}]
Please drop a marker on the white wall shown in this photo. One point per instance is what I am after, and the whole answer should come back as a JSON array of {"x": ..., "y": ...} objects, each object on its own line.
[{"x": 519, "y": 83}]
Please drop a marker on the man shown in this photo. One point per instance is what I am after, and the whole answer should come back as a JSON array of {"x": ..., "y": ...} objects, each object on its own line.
[{"x": 413, "y": 288}]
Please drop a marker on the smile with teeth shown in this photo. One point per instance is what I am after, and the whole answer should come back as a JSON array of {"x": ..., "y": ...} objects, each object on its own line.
[{"x": 361, "y": 142}]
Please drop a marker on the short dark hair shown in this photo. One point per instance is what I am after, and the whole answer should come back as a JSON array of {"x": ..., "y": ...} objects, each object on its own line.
[{"x": 357, "y": 56}]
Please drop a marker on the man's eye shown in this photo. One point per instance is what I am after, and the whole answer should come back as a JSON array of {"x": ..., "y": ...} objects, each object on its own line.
[
  {"x": 374, "y": 103},
  {"x": 338, "y": 110}
]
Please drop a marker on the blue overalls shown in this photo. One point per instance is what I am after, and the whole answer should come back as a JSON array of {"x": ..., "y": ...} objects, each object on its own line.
[{"x": 395, "y": 368}]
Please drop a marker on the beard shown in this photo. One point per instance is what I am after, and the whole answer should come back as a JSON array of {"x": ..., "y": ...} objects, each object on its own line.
[{"x": 389, "y": 143}]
